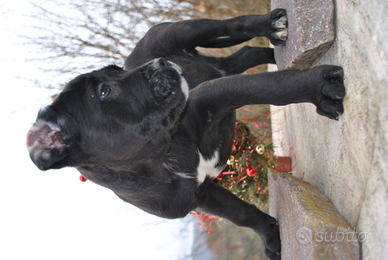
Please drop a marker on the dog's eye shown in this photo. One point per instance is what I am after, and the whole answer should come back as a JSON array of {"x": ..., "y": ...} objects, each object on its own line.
[{"x": 104, "y": 90}]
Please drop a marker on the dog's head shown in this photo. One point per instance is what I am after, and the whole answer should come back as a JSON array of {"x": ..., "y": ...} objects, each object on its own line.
[{"x": 109, "y": 115}]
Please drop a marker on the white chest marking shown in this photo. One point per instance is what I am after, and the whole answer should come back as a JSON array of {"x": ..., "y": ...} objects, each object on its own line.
[{"x": 208, "y": 167}]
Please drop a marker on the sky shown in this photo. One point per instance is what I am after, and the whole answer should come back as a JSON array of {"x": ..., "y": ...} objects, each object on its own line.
[{"x": 53, "y": 215}]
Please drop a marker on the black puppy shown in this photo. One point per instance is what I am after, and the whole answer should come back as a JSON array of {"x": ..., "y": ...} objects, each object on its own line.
[{"x": 160, "y": 130}]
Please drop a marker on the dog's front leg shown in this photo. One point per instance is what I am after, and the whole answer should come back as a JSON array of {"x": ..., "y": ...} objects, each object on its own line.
[
  {"x": 323, "y": 86},
  {"x": 220, "y": 202}
]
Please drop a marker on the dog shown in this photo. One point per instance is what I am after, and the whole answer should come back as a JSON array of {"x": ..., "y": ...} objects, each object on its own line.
[{"x": 159, "y": 130}]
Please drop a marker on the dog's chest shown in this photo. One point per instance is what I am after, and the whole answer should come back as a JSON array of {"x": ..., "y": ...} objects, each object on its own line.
[{"x": 208, "y": 167}]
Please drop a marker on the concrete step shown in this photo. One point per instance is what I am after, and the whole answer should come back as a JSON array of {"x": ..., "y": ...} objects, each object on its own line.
[
  {"x": 310, "y": 226},
  {"x": 310, "y": 32}
]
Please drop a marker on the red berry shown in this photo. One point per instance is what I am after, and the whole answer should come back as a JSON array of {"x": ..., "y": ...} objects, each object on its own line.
[{"x": 82, "y": 178}]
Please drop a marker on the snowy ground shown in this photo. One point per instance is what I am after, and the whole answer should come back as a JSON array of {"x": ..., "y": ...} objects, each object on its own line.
[{"x": 55, "y": 216}]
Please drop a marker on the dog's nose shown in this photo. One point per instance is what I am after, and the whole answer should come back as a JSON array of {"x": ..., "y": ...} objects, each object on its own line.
[{"x": 159, "y": 63}]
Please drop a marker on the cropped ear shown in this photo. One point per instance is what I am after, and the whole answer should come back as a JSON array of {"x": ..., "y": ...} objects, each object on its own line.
[{"x": 46, "y": 145}]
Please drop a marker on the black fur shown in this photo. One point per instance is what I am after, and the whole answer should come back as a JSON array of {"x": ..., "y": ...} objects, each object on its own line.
[{"x": 133, "y": 131}]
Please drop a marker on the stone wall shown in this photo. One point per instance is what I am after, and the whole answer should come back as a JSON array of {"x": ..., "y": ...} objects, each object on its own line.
[
  {"x": 348, "y": 160},
  {"x": 310, "y": 226}
]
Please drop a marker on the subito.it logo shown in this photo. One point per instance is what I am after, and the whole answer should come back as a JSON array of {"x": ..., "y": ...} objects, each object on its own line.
[{"x": 304, "y": 235}]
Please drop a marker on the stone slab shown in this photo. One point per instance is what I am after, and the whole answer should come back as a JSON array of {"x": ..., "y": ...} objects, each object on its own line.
[
  {"x": 347, "y": 159},
  {"x": 310, "y": 226},
  {"x": 310, "y": 32}
]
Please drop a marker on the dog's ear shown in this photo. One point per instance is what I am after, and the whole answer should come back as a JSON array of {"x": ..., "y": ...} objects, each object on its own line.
[{"x": 50, "y": 144}]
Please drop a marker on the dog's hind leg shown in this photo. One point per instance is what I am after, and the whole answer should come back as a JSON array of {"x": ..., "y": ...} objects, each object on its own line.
[
  {"x": 243, "y": 28},
  {"x": 221, "y": 202},
  {"x": 245, "y": 58},
  {"x": 184, "y": 36}
]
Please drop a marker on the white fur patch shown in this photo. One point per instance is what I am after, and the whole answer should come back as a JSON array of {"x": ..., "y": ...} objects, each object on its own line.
[
  {"x": 208, "y": 167},
  {"x": 280, "y": 23},
  {"x": 184, "y": 85},
  {"x": 282, "y": 32}
]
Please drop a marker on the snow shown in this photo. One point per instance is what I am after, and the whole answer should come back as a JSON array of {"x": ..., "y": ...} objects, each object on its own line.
[{"x": 53, "y": 215}]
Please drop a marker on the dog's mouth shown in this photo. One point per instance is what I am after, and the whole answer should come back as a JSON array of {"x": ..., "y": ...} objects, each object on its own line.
[{"x": 166, "y": 80}]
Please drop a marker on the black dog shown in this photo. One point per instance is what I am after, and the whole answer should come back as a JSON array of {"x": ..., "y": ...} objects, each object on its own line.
[{"x": 160, "y": 130}]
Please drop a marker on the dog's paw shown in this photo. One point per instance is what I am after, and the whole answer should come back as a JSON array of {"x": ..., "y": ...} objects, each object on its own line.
[
  {"x": 270, "y": 238},
  {"x": 332, "y": 91},
  {"x": 279, "y": 25}
]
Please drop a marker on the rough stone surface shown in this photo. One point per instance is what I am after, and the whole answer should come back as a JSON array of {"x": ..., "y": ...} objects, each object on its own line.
[
  {"x": 310, "y": 32},
  {"x": 347, "y": 160},
  {"x": 310, "y": 226}
]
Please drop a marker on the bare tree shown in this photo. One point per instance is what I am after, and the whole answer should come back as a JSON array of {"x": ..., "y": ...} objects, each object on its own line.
[
  {"x": 80, "y": 35},
  {"x": 84, "y": 34},
  {"x": 77, "y": 36}
]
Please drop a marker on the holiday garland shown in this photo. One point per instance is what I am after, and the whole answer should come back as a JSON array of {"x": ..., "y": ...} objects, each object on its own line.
[{"x": 246, "y": 172}]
